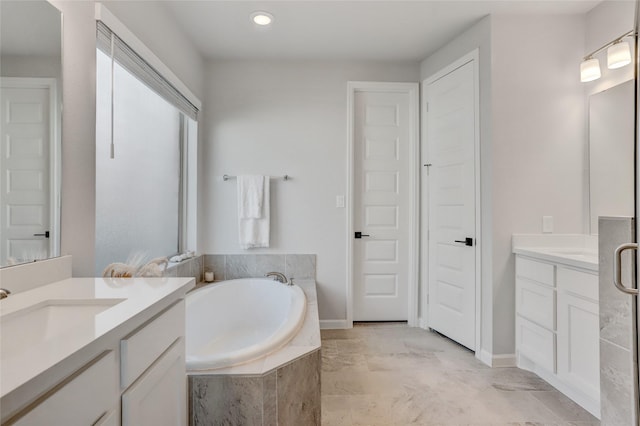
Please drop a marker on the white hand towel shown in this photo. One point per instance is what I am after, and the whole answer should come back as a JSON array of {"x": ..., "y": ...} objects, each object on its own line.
[
  {"x": 254, "y": 232},
  {"x": 251, "y": 196}
]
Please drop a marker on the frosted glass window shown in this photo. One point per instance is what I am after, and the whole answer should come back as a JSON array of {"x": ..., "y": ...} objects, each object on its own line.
[{"x": 138, "y": 192}]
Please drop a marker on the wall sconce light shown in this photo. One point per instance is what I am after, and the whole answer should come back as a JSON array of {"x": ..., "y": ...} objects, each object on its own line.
[
  {"x": 589, "y": 70},
  {"x": 618, "y": 55}
]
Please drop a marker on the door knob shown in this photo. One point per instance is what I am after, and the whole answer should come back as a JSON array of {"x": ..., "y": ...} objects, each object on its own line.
[
  {"x": 467, "y": 241},
  {"x": 45, "y": 234},
  {"x": 360, "y": 234}
]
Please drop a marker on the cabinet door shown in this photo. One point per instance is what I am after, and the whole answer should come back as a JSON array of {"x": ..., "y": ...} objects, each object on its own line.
[
  {"x": 159, "y": 396},
  {"x": 536, "y": 303},
  {"x": 112, "y": 418},
  {"x": 579, "y": 343},
  {"x": 82, "y": 400},
  {"x": 536, "y": 343}
]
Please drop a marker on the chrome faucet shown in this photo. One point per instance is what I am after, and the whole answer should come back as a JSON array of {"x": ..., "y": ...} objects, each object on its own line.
[
  {"x": 4, "y": 293},
  {"x": 280, "y": 277}
]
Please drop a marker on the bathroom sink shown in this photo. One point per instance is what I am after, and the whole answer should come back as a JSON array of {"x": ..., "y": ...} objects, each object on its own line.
[{"x": 46, "y": 321}]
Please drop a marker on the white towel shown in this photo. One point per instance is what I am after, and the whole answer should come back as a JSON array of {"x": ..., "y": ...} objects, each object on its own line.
[
  {"x": 250, "y": 196},
  {"x": 253, "y": 231}
]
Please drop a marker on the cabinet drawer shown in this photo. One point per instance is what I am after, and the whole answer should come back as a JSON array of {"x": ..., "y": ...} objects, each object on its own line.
[
  {"x": 82, "y": 400},
  {"x": 535, "y": 271},
  {"x": 580, "y": 283},
  {"x": 536, "y": 303},
  {"x": 139, "y": 350},
  {"x": 536, "y": 343}
]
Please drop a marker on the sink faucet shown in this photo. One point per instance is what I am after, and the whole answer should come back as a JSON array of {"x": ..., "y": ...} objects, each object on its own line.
[
  {"x": 280, "y": 277},
  {"x": 4, "y": 293}
]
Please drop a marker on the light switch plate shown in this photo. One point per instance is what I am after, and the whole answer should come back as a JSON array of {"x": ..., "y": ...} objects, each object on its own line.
[
  {"x": 547, "y": 224},
  {"x": 340, "y": 201}
]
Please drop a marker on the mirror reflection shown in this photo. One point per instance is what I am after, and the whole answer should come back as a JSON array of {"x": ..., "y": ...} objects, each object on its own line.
[
  {"x": 611, "y": 153},
  {"x": 30, "y": 98}
]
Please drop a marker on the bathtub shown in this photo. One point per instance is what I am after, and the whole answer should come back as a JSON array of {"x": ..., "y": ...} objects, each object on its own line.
[{"x": 237, "y": 321}]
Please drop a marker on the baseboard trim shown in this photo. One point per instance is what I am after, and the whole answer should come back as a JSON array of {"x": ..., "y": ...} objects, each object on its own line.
[
  {"x": 334, "y": 324},
  {"x": 422, "y": 323},
  {"x": 497, "y": 361}
]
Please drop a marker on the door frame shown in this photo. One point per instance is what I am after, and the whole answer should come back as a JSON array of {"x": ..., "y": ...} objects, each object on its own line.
[
  {"x": 474, "y": 57},
  {"x": 412, "y": 89},
  {"x": 55, "y": 149}
]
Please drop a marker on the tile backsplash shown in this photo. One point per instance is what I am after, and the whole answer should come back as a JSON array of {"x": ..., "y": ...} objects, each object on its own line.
[
  {"x": 187, "y": 268},
  {"x": 232, "y": 266}
]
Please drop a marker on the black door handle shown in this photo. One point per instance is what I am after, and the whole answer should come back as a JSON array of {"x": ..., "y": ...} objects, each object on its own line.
[
  {"x": 360, "y": 235},
  {"x": 46, "y": 235},
  {"x": 467, "y": 241}
]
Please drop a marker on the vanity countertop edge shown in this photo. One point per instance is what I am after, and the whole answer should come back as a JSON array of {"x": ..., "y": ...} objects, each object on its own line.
[{"x": 587, "y": 262}]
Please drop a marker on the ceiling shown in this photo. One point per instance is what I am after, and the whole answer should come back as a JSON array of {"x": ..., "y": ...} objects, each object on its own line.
[{"x": 400, "y": 31}]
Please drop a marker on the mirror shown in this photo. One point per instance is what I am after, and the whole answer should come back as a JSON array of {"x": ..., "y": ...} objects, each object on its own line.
[
  {"x": 30, "y": 114},
  {"x": 611, "y": 153}
]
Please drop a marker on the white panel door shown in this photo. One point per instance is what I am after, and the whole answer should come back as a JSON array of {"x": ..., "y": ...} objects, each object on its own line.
[
  {"x": 25, "y": 189},
  {"x": 381, "y": 205},
  {"x": 450, "y": 136}
]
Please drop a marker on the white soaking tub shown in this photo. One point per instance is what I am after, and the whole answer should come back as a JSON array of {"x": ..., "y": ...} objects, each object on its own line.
[{"x": 237, "y": 321}]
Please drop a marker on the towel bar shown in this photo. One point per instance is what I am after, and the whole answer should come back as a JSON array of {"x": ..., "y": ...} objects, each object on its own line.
[{"x": 227, "y": 177}]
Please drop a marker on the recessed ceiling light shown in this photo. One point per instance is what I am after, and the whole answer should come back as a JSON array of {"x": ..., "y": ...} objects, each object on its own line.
[{"x": 261, "y": 18}]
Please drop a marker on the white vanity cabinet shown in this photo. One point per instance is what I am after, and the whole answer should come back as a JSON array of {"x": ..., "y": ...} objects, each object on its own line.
[
  {"x": 136, "y": 376},
  {"x": 557, "y": 327},
  {"x": 148, "y": 385}
]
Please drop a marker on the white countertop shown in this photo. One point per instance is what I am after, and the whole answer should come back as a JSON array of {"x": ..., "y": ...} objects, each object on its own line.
[
  {"x": 94, "y": 310},
  {"x": 566, "y": 256},
  {"x": 575, "y": 250}
]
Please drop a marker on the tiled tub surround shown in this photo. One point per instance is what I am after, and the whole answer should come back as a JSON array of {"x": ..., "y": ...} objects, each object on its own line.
[
  {"x": 617, "y": 313},
  {"x": 281, "y": 388},
  {"x": 187, "y": 268},
  {"x": 232, "y": 266}
]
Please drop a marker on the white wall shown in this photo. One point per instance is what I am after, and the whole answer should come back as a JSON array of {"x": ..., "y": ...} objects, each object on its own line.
[
  {"x": 276, "y": 118},
  {"x": 532, "y": 144},
  {"x": 78, "y": 132},
  {"x": 30, "y": 66},
  {"x": 152, "y": 23},
  {"x": 539, "y": 143}
]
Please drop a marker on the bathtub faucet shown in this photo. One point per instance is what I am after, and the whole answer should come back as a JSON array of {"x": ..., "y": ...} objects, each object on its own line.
[{"x": 280, "y": 277}]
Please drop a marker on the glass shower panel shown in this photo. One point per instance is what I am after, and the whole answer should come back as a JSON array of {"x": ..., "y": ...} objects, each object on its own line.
[{"x": 137, "y": 191}]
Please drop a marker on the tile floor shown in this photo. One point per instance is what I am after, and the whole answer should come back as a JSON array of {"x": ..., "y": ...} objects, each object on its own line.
[{"x": 393, "y": 375}]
